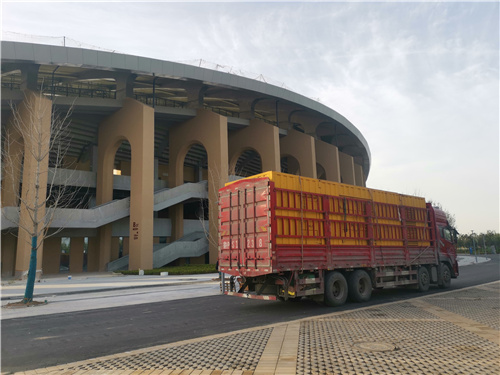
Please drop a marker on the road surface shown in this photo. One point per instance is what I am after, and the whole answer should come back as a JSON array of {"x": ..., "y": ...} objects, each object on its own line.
[{"x": 49, "y": 340}]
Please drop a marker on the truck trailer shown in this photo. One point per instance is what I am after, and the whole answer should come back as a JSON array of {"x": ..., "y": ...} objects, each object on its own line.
[{"x": 286, "y": 237}]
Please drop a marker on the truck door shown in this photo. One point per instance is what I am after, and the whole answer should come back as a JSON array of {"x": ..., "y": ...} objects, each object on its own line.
[
  {"x": 447, "y": 246},
  {"x": 244, "y": 227}
]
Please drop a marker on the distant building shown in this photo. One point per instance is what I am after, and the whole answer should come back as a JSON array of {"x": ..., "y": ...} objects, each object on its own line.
[{"x": 151, "y": 142}]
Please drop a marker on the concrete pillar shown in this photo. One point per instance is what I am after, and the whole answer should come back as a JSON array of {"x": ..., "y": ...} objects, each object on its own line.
[
  {"x": 95, "y": 159},
  {"x": 125, "y": 85},
  {"x": 29, "y": 77},
  {"x": 51, "y": 255},
  {"x": 12, "y": 165},
  {"x": 155, "y": 171},
  {"x": 195, "y": 95},
  {"x": 126, "y": 246},
  {"x": 13, "y": 146},
  {"x": 359, "y": 176},
  {"x": 246, "y": 108},
  {"x": 103, "y": 246},
  {"x": 93, "y": 255},
  {"x": 34, "y": 114},
  {"x": 9, "y": 244},
  {"x": 327, "y": 156},
  {"x": 210, "y": 130},
  {"x": 134, "y": 123},
  {"x": 261, "y": 137},
  {"x": 347, "y": 169},
  {"x": 302, "y": 147},
  {"x": 115, "y": 248},
  {"x": 76, "y": 254}
]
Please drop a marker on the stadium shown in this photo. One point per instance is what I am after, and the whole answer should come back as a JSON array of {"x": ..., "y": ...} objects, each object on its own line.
[{"x": 149, "y": 144}]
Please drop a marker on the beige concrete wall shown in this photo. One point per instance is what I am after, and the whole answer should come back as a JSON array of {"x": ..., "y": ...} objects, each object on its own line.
[
  {"x": 261, "y": 137},
  {"x": 347, "y": 169},
  {"x": 359, "y": 175},
  {"x": 135, "y": 124},
  {"x": 9, "y": 245},
  {"x": 327, "y": 156},
  {"x": 210, "y": 130},
  {"x": 51, "y": 255},
  {"x": 302, "y": 147},
  {"x": 76, "y": 255}
]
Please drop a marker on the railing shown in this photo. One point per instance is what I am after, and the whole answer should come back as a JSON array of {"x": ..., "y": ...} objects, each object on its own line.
[
  {"x": 103, "y": 92},
  {"x": 160, "y": 102}
]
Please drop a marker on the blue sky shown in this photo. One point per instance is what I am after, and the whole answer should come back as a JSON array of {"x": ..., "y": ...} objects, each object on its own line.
[{"x": 419, "y": 80}]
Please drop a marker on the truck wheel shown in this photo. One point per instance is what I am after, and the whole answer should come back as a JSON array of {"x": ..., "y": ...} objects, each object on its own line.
[
  {"x": 360, "y": 286},
  {"x": 335, "y": 289},
  {"x": 423, "y": 279},
  {"x": 445, "y": 277}
]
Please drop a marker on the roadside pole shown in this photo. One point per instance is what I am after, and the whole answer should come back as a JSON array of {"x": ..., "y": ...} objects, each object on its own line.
[{"x": 474, "y": 245}]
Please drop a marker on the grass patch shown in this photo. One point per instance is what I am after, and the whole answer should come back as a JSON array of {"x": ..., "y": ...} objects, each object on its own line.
[{"x": 189, "y": 269}]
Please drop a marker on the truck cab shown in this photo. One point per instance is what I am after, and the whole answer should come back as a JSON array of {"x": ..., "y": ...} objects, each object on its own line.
[{"x": 447, "y": 239}]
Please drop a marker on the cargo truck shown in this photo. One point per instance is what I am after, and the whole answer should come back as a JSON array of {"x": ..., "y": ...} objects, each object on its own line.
[{"x": 286, "y": 237}]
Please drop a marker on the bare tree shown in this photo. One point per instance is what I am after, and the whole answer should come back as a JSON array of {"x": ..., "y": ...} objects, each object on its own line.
[
  {"x": 214, "y": 176},
  {"x": 449, "y": 216},
  {"x": 35, "y": 142}
]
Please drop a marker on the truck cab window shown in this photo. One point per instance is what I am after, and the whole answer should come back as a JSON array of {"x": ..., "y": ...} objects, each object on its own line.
[{"x": 447, "y": 234}]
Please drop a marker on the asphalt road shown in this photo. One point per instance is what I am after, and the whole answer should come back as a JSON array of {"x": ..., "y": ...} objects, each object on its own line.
[{"x": 42, "y": 341}]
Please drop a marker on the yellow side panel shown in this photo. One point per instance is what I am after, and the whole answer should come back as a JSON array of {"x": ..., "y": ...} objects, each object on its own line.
[
  {"x": 386, "y": 215},
  {"x": 311, "y": 185}
]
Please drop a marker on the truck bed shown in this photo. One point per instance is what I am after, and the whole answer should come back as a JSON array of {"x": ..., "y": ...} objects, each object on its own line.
[{"x": 275, "y": 222}]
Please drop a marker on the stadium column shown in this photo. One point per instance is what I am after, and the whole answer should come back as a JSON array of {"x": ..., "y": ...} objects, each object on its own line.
[
  {"x": 52, "y": 255},
  {"x": 134, "y": 123},
  {"x": 327, "y": 156},
  {"x": 261, "y": 137},
  {"x": 93, "y": 254},
  {"x": 9, "y": 242},
  {"x": 11, "y": 179},
  {"x": 76, "y": 254},
  {"x": 209, "y": 130},
  {"x": 302, "y": 147},
  {"x": 347, "y": 169},
  {"x": 359, "y": 175},
  {"x": 34, "y": 112},
  {"x": 247, "y": 109}
]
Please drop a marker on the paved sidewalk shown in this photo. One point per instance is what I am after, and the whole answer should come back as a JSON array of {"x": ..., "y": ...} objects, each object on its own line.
[
  {"x": 456, "y": 332},
  {"x": 95, "y": 282},
  {"x": 103, "y": 290}
]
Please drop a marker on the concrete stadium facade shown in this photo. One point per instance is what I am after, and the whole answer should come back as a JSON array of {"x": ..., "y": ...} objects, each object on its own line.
[{"x": 151, "y": 142}]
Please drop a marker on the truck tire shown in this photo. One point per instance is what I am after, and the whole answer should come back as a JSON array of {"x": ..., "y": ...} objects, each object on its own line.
[
  {"x": 360, "y": 286},
  {"x": 424, "y": 279},
  {"x": 336, "y": 289},
  {"x": 444, "y": 276}
]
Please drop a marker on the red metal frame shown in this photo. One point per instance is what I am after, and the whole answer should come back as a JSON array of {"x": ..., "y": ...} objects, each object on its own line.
[{"x": 360, "y": 225}]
